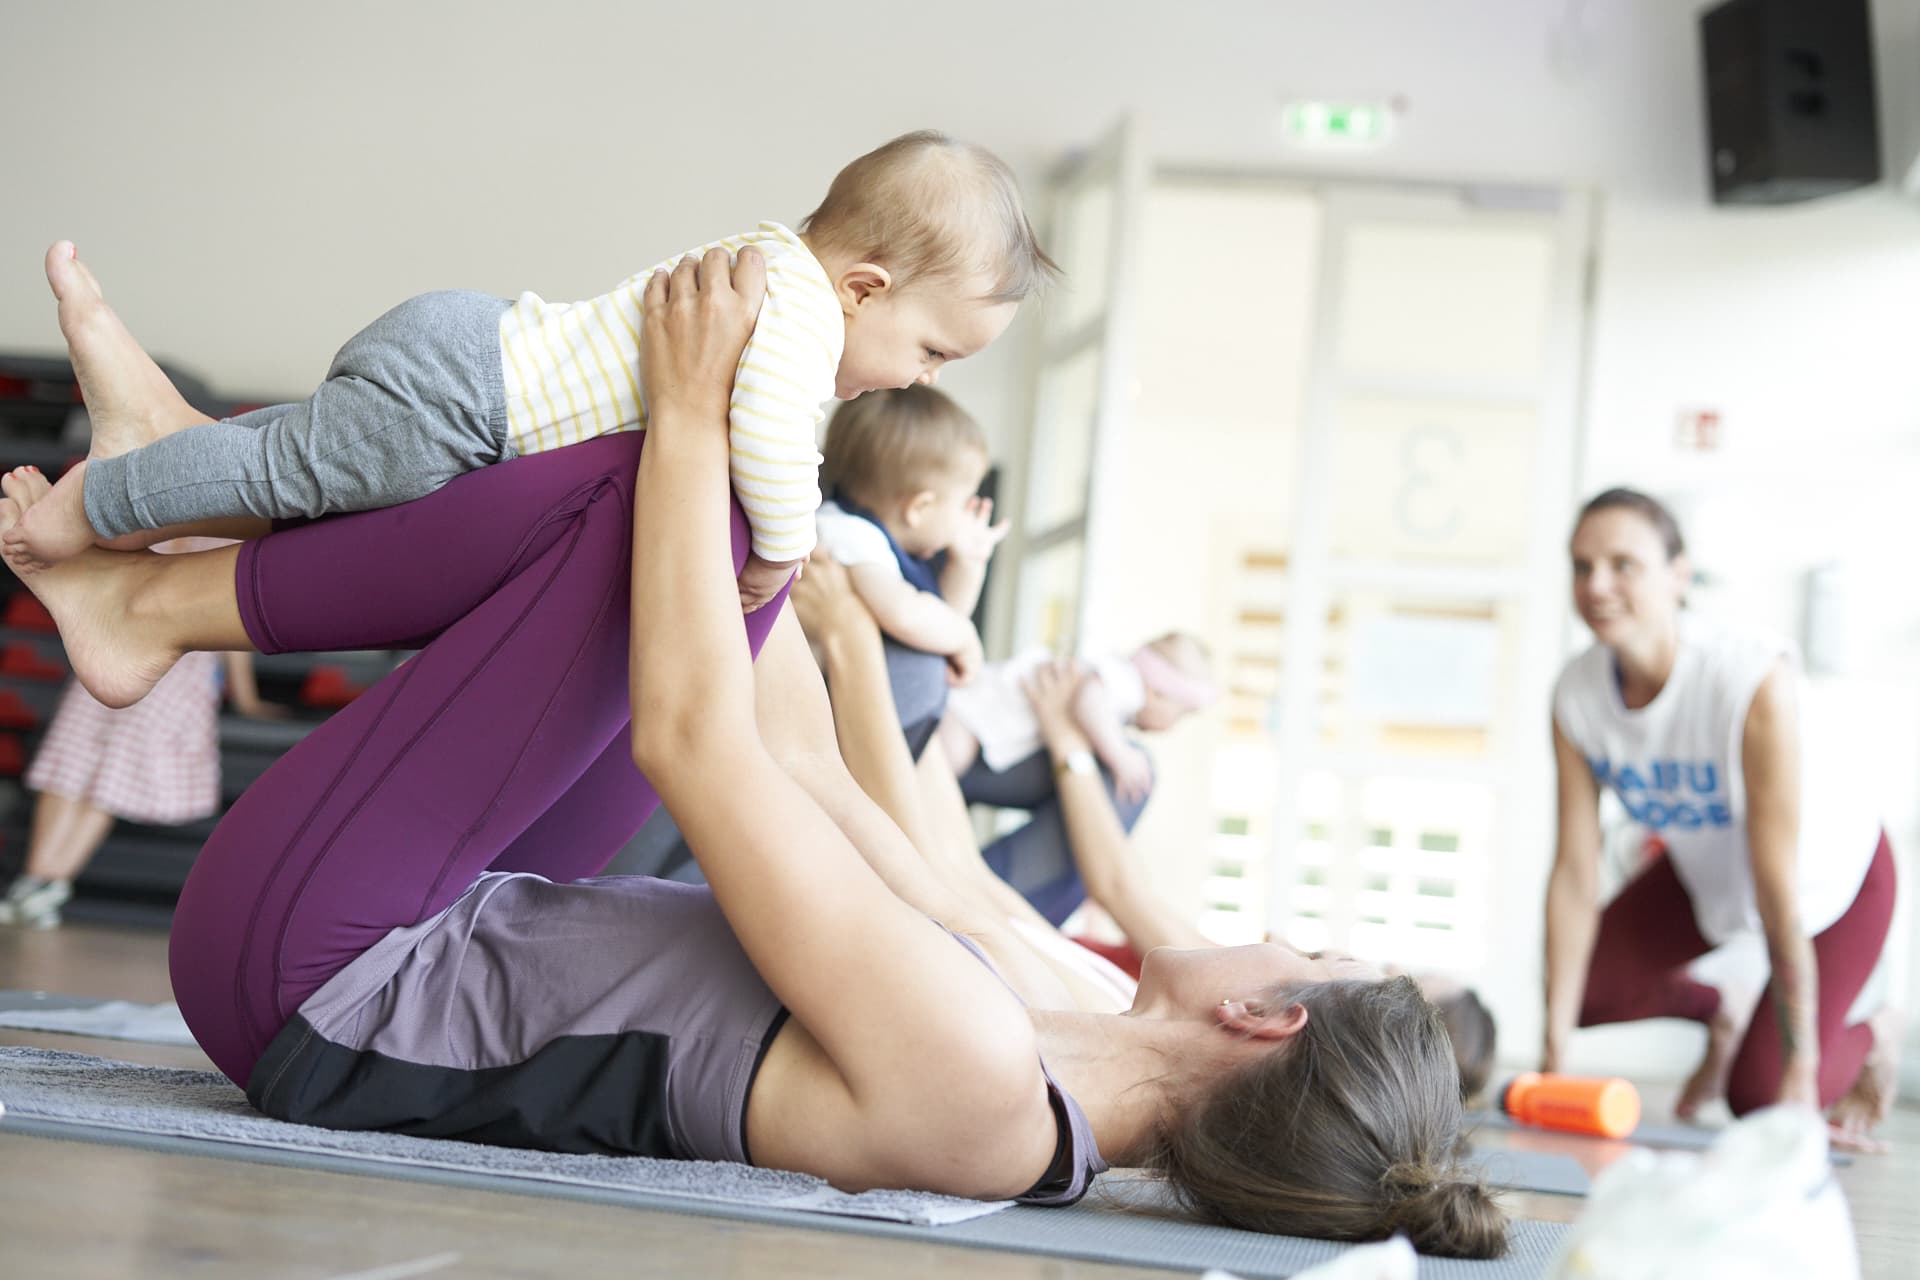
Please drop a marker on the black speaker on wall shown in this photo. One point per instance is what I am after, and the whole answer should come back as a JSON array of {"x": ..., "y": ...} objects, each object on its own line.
[{"x": 1790, "y": 99}]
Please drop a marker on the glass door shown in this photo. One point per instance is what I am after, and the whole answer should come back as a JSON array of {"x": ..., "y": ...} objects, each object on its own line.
[
  {"x": 1404, "y": 770},
  {"x": 1079, "y": 400}
]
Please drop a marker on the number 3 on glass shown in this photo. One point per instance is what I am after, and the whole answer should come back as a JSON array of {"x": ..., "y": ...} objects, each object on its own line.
[{"x": 1427, "y": 507}]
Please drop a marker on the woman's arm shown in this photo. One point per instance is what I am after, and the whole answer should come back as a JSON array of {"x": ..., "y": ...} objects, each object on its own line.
[
  {"x": 1770, "y": 762},
  {"x": 797, "y": 723},
  {"x": 1573, "y": 898},
  {"x": 936, "y": 1057},
  {"x": 681, "y": 537},
  {"x": 1055, "y": 973},
  {"x": 1098, "y": 842},
  {"x": 841, "y": 626},
  {"x": 1099, "y": 719},
  {"x": 951, "y": 889}
]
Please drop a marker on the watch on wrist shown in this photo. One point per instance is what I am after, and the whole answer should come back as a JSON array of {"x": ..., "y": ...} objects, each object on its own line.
[{"x": 1079, "y": 760}]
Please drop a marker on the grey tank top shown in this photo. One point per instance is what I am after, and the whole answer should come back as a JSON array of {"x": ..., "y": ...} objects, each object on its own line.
[{"x": 617, "y": 1015}]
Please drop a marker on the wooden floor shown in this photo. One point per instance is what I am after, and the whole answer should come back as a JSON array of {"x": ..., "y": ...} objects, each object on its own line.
[{"x": 77, "y": 1209}]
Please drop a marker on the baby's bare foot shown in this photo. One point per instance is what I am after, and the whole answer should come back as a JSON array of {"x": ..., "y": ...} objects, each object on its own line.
[
  {"x": 88, "y": 596},
  {"x": 130, "y": 401},
  {"x": 51, "y": 529}
]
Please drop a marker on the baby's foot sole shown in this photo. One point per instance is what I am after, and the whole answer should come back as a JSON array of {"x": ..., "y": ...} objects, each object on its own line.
[
  {"x": 129, "y": 399},
  {"x": 53, "y": 525},
  {"x": 115, "y": 660}
]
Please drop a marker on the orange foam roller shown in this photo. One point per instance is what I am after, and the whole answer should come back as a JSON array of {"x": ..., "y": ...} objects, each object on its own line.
[{"x": 1604, "y": 1106}]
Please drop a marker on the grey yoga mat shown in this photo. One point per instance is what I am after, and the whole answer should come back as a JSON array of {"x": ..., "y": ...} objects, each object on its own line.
[
  {"x": 1532, "y": 1171},
  {"x": 1676, "y": 1137},
  {"x": 79, "y": 1089},
  {"x": 85, "y": 1016},
  {"x": 65, "y": 1095},
  {"x": 1665, "y": 1137},
  {"x": 162, "y": 1024}
]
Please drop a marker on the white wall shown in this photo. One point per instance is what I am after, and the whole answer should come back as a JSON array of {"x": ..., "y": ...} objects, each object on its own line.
[{"x": 257, "y": 180}]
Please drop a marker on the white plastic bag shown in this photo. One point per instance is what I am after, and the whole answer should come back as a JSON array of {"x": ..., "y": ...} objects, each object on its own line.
[{"x": 1762, "y": 1202}]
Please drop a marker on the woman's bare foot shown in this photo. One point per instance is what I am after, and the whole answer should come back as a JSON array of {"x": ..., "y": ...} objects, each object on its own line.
[
  {"x": 1865, "y": 1106},
  {"x": 130, "y": 401},
  {"x": 51, "y": 530},
  {"x": 116, "y": 659},
  {"x": 1709, "y": 1079}
]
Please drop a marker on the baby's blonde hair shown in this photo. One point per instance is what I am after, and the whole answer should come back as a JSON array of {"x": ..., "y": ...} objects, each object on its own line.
[
  {"x": 890, "y": 444},
  {"x": 927, "y": 205}
]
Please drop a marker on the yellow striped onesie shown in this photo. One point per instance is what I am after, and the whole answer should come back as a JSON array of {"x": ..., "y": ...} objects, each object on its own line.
[{"x": 571, "y": 371}]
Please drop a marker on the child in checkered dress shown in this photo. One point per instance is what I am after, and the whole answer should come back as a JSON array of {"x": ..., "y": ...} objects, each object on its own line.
[{"x": 156, "y": 762}]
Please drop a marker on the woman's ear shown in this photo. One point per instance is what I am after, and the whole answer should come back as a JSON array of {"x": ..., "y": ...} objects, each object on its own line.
[
  {"x": 861, "y": 283},
  {"x": 1255, "y": 1020},
  {"x": 1682, "y": 566}
]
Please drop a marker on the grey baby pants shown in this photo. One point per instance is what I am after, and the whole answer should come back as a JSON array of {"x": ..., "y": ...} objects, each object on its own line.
[{"x": 411, "y": 401}]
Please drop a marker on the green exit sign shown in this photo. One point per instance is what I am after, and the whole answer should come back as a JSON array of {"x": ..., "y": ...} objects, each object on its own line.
[{"x": 1337, "y": 124}]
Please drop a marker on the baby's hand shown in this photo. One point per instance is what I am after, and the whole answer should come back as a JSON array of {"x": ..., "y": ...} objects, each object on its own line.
[
  {"x": 1132, "y": 774},
  {"x": 761, "y": 580},
  {"x": 978, "y": 535},
  {"x": 961, "y": 666}
]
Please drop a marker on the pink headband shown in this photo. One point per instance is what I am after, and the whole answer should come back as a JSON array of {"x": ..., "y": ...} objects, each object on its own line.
[{"x": 1172, "y": 683}]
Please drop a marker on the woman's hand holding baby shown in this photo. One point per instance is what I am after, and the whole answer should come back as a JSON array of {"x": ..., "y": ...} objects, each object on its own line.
[
  {"x": 1051, "y": 688},
  {"x": 827, "y": 605},
  {"x": 761, "y": 580},
  {"x": 695, "y": 322}
]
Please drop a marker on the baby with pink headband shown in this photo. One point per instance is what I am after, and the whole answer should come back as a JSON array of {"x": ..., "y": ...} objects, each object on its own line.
[{"x": 1151, "y": 689}]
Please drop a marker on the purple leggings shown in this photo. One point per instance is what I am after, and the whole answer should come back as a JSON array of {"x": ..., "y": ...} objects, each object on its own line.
[
  {"x": 1648, "y": 935},
  {"x": 501, "y": 746}
]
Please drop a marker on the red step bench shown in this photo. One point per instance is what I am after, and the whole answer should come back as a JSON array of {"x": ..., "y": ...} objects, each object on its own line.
[
  {"x": 328, "y": 686},
  {"x": 18, "y": 658},
  {"x": 16, "y": 713},
  {"x": 24, "y": 612}
]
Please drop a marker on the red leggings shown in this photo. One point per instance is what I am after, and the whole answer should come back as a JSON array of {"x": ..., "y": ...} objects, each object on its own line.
[{"x": 1648, "y": 936}]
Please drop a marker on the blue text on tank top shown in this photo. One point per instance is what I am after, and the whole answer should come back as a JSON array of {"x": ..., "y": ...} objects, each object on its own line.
[
  {"x": 1660, "y": 794},
  {"x": 923, "y": 575}
]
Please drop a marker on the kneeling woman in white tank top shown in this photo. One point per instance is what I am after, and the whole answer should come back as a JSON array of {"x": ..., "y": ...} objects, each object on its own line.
[{"x": 1693, "y": 725}]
